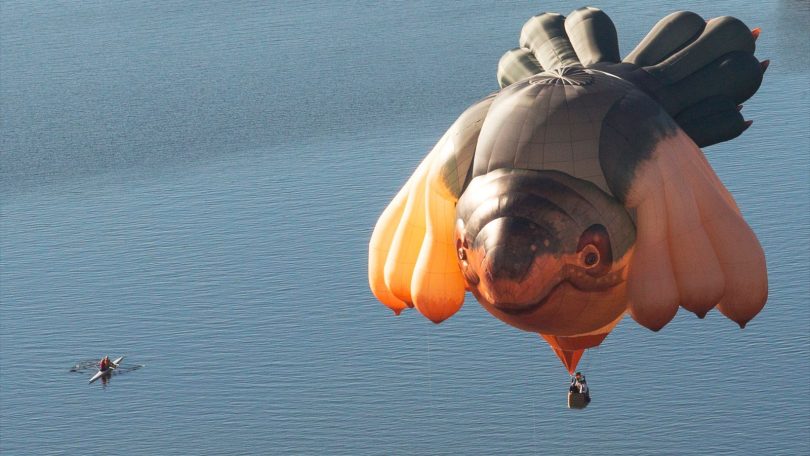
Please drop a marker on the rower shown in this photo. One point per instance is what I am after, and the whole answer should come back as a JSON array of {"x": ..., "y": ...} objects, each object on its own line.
[{"x": 104, "y": 364}]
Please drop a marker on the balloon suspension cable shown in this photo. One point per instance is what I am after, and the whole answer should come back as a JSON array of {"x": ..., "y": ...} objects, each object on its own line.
[
  {"x": 535, "y": 407},
  {"x": 588, "y": 357},
  {"x": 430, "y": 374}
]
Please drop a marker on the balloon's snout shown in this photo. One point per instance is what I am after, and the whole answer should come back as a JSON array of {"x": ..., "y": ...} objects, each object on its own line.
[{"x": 513, "y": 262}]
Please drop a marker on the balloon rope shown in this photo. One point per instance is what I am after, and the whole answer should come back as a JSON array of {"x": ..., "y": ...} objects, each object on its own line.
[
  {"x": 587, "y": 358},
  {"x": 535, "y": 402},
  {"x": 430, "y": 373},
  {"x": 430, "y": 377}
]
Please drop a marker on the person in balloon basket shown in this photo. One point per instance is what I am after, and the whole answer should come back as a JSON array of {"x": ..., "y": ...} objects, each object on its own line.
[{"x": 580, "y": 385}]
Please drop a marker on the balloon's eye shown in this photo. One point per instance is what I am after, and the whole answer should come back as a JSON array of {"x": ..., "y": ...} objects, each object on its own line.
[
  {"x": 589, "y": 256},
  {"x": 593, "y": 251},
  {"x": 462, "y": 255},
  {"x": 461, "y": 245}
]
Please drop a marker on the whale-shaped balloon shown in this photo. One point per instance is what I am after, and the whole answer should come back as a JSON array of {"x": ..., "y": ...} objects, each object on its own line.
[{"x": 578, "y": 191}]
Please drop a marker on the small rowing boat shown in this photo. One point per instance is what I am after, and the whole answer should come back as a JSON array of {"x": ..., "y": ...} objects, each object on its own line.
[{"x": 102, "y": 373}]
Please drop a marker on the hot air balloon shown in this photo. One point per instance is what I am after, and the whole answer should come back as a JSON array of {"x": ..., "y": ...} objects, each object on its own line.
[{"x": 578, "y": 192}]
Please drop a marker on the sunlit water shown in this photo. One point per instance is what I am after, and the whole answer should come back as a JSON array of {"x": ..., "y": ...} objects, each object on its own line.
[{"x": 194, "y": 187}]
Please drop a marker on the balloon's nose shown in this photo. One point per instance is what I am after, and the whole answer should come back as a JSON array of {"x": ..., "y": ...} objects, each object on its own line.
[
  {"x": 501, "y": 275},
  {"x": 510, "y": 246},
  {"x": 507, "y": 262}
]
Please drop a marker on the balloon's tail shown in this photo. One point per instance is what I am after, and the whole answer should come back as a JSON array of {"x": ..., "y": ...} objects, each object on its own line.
[
  {"x": 699, "y": 70},
  {"x": 571, "y": 349},
  {"x": 569, "y": 358}
]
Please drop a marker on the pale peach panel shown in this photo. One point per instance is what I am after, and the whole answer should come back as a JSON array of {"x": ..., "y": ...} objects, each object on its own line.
[
  {"x": 379, "y": 248},
  {"x": 651, "y": 288},
  {"x": 738, "y": 251},
  {"x": 697, "y": 270},
  {"x": 408, "y": 237},
  {"x": 712, "y": 176},
  {"x": 746, "y": 273}
]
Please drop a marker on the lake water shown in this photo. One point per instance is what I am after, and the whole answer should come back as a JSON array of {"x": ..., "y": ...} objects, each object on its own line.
[{"x": 194, "y": 187}]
